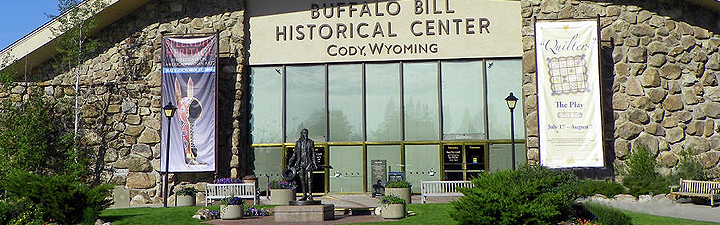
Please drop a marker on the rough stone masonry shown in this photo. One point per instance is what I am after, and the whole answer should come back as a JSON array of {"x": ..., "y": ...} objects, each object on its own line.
[{"x": 659, "y": 74}]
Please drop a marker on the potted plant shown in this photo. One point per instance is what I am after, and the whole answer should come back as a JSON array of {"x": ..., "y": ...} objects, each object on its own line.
[
  {"x": 185, "y": 197},
  {"x": 281, "y": 192},
  {"x": 231, "y": 208},
  {"x": 400, "y": 188},
  {"x": 393, "y": 207}
]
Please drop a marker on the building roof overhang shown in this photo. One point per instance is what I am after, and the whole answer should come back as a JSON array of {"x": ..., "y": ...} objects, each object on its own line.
[{"x": 38, "y": 46}]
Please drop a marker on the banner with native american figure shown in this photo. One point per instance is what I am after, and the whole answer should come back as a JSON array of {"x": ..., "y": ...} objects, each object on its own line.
[
  {"x": 189, "y": 82},
  {"x": 568, "y": 88}
]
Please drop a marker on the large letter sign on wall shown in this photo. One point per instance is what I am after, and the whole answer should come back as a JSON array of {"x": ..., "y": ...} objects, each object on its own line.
[
  {"x": 568, "y": 80},
  {"x": 189, "y": 82},
  {"x": 322, "y": 31}
]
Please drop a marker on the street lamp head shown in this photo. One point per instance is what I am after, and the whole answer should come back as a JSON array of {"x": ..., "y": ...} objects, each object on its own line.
[
  {"x": 511, "y": 100},
  {"x": 169, "y": 110}
]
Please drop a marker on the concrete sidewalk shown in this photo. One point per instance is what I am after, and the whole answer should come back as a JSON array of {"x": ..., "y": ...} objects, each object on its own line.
[
  {"x": 349, "y": 208},
  {"x": 683, "y": 208}
]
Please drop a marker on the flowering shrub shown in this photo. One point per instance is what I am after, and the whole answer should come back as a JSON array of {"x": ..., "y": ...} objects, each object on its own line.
[
  {"x": 276, "y": 184},
  {"x": 392, "y": 199},
  {"x": 228, "y": 180},
  {"x": 232, "y": 201},
  {"x": 581, "y": 221},
  {"x": 252, "y": 211},
  {"x": 215, "y": 214}
]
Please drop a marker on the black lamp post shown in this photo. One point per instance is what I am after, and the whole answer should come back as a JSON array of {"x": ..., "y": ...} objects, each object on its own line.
[
  {"x": 169, "y": 111},
  {"x": 511, "y": 100}
]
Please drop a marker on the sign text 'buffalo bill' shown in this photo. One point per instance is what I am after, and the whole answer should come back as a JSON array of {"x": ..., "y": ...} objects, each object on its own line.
[
  {"x": 326, "y": 31},
  {"x": 568, "y": 78},
  {"x": 189, "y": 81}
]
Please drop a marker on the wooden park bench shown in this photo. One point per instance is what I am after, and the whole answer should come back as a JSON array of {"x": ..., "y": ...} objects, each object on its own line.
[
  {"x": 696, "y": 188},
  {"x": 222, "y": 191},
  {"x": 447, "y": 188}
]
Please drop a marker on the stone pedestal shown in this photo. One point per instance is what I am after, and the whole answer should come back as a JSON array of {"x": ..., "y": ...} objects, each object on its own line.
[
  {"x": 305, "y": 213},
  {"x": 121, "y": 197}
]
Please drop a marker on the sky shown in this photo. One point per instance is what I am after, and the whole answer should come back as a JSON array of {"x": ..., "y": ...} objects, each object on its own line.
[{"x": 20, "y": 17}]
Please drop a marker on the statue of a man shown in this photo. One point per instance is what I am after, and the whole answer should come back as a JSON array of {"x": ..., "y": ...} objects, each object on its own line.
[{"x": 303, "y": 161}]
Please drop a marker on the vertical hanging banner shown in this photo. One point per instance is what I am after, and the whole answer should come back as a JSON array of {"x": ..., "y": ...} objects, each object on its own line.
[
  {"x": 568, "y": 80},
  {"x": 189, "y": 82}
]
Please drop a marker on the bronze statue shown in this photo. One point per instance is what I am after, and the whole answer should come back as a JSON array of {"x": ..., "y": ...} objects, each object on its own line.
[{"x": 303, "y": 163}]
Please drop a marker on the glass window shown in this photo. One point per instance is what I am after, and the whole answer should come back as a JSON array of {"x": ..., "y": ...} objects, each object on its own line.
[
  {"x": 501, "y": 156},
  {"x": 462, "y": 99},
  {"x": 305, "y": 102},
  {"x": 504, "y": 76},
  {"x": 382, "y": 90},
  {"x": 422, "y": 162},
  {"x": 421, "y": 101},
  {"x": 346, "y": 174},
  {"x": 345, "y": 100},
  {"x": 266, "y": 102},
  {"x": 390, "y": 154},
  {"x": 268, "y": 164}
]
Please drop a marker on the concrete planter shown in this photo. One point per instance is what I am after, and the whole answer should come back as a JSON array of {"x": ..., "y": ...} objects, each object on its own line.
[
  {"x": 185, "y": 200},
  {"x": 400, "y": 192},
  {"x": 231, "y": 212},
  {"x": 281, "y": 196},
  {"x": 393, "y": 211}
]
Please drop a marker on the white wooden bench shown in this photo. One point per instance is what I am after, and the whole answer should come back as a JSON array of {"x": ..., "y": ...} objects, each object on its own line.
[
  {"x": 696, "y": 188},
  {"x": 222, "y": 191},
  {"x": 448, "y": 188}
]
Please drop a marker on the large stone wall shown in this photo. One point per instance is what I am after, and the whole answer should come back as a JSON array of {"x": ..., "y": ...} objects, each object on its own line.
[
  {"x": 660, "y": 68},
  {"x": 120, "y": 93}
]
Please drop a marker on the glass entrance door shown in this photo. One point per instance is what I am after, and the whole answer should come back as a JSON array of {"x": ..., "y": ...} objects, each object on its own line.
[
  {"x": 319, "y": 176},
  {"x": 463, "y": 161}
]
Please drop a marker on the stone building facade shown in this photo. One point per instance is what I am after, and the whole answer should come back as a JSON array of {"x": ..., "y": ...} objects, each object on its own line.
[
  {"x": 659, "y": 68},
  {"x": 120, "y": 98},
  {"x": 660, "y": 63}
]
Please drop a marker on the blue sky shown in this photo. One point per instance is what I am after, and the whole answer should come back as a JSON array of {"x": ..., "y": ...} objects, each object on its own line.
[{"x": 20, "y": 17}]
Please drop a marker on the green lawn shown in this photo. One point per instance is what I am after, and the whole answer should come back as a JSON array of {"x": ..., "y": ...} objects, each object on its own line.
[
  {"x": 424, "y": 214},
  {"x": 172, "y": 215}
]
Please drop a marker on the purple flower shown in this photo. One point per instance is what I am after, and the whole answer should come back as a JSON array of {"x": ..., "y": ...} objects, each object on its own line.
[
  {"x": 228, "y": 180},
  {"x": 282, "y": 185}
]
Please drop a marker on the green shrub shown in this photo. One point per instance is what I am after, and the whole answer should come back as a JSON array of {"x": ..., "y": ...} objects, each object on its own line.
[
  {"x": 189, "y": 191},
  {"x": 689, "y": 168},
  {"x": 397, "y": 184},
  {"x": 640, "y": 176},
  {"x": 392, "y": 199},
  {"x": 64, "y": 199},
  {"x": 592, "y": 187},
  {"x": 607, "y": 215},
  {"x": 34, "y": 138},
  {"x": 529, "y": 195}
]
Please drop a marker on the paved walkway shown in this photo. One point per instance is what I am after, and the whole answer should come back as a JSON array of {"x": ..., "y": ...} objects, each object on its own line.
[
  {"x": 654, "y": 206},
  {"x": 664, "y": 207},
  {"x": 341, "y": 201}
]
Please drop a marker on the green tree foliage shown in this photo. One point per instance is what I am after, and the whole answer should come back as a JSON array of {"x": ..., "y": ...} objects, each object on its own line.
[
  {"x": 640, "y": 176},
  {"x": 689, "y": 168},
  {"x": 34, "y": 137},
  {"x": 529, "y": 195},
  {"x": 77, "y": 20},
  {"x": 77, "y": 23},
  {"x": 42, "y": 172}
]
